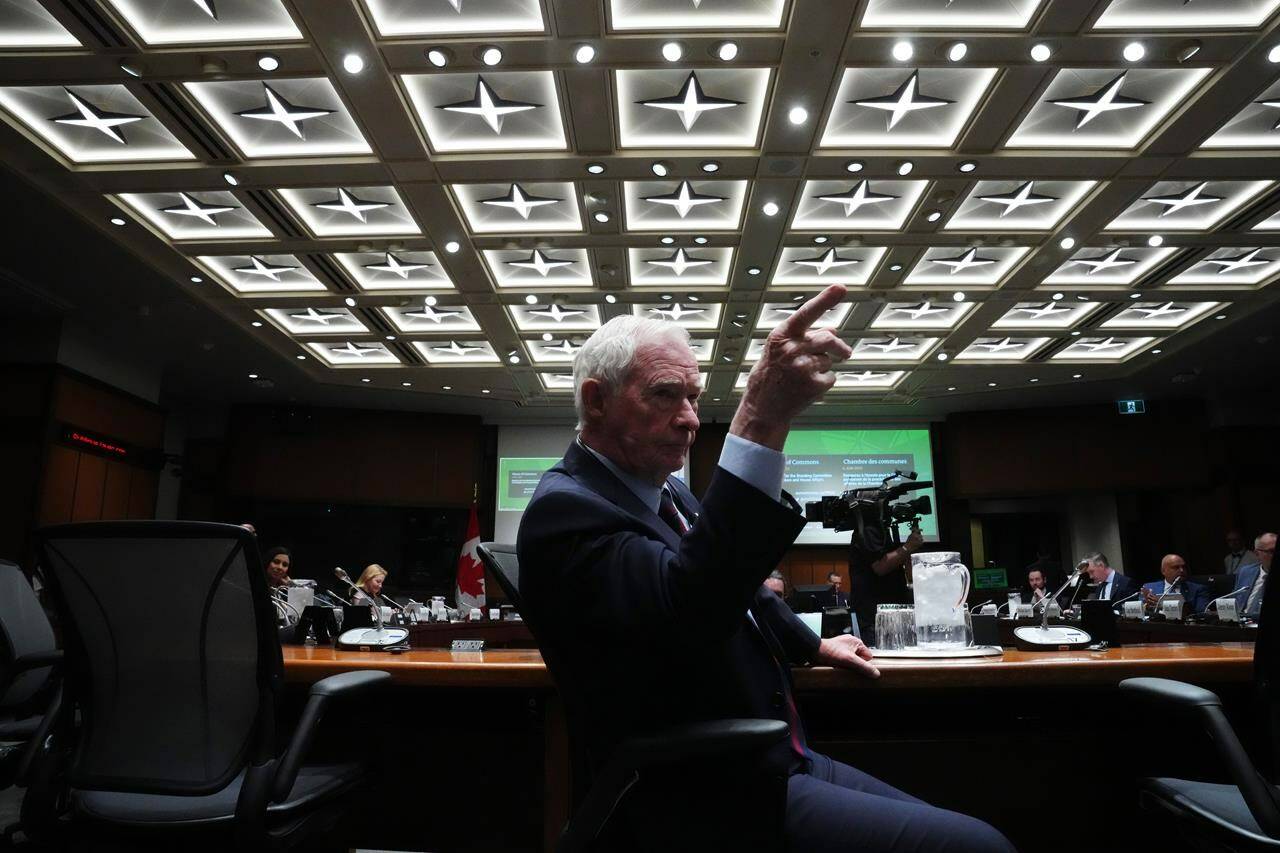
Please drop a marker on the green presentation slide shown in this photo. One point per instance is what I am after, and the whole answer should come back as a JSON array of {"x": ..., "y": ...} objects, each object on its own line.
[
  {"x": 517, "y": 478},
  {"x": 832, "y": 461}
]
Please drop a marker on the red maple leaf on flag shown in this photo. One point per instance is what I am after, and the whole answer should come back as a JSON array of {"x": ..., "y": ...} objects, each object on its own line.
[{"x": 470, "y": 583}]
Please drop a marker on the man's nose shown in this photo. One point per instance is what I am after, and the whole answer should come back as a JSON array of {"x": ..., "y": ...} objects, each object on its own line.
[{"x": 687, "y": 417}]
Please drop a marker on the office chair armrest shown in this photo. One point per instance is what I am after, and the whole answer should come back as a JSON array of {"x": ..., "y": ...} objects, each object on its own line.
[
  {"x": 342, "y": 684},
  {"x": 35, "y": 660},
  {"x": 679, "y": 743},
  {"x": 1258, "y": 794},
  {"x": 37, "y": 741}
]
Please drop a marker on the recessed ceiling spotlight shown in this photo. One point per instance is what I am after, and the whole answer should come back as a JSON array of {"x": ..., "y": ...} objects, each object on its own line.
[
  {"x": 1041, "y": 52},
  {"x": 446, "y": 387},
  {"x": 1082, "y": 297},
  {"x": 666, "y": 297},
  {"x": 905, "y": 167},
  {"x": 531, "y": 300},
  {"x": 610, "y": 298},
  {"x": 406, "y": 384},
  {"x": 667, "y": 241},
  {"x": 1067, "y": 242},
  {"x": 1134, "y": 51},
  {"x": 854, "y": 166},
  {"x": 390, "y": 337},
  {"x": 439, "y": 56},
  {"x": 715, "y": 399},
  {"x": 991, "y": 384},
  {"x": 452, "y": 247},
  {"x": 710, "y": 166},
  {"x": 1033, "y": 379},
  {"x": 491, "y": 55},
  {"x": 195, "y": 279},
  {"x": 726, "y": 51},
  {"x": 231, "y": 179},
  {"x": 600, "y": 216},
  {"x": 514, "y": 359},
  {"x": 116, "y": 220},
  {"x": 430, "y": 300},
  {"x": 1156, "y": 351},
  {"x": 350, "y": 301},
  {"x": 1188, "y": 50},
  {"x": 958, "y": 296},
  {"x": 548, "y": 337},
  {"x": 942, "y": 356},
  {"x": 769, "y": 208},
  {"x": 700, "y": 240},
  {"x": 366, "y": 379},
  {"x": 1220, "y": 317},
  {"x": 957, "y": 51},
  {"x": 934, "y": 215},
  {"x": 257, "y": 324},
  {"x": 253, "y": 376},
  {"x": 353, "y": 63},
  {"x": 484, "y": 390},
  {"x": 595, "y": 168},
  {"x": 753, "y": 270},
  {"x": 1057, "y": 297},
  {"x": 1076, "y": 333},
  {"x": 300, "y": 357},
  {"x": 672, "y": 51},
  {"x": 895, "y": 267},
  {"x": 951, "y": 387},
  {"x": 660, "y": 168},
  {"x": 133, "y": 69},
  {"x": 1273, "y": 55},
  {"x": 1135, "y": 295},
  {"x": 820, "y": 239},
  {"x": 797, "y": 115},
  {"x": 967, "y": 166},
  {"x": 1155, "y": 240},
  {"x": 583, "y": 54},
  {"x": 268, "y": 61},
  {"x": 1076, "y": 375},
  {"x": 903, "y": 50},
  {"x": 693, "y": 297}
]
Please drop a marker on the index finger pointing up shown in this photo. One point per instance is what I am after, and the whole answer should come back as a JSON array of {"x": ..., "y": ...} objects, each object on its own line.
[{"x": 809, "y": 313}]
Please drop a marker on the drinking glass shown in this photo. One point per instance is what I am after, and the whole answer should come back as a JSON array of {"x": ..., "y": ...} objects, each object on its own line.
[{"x": 890, "y": 635}]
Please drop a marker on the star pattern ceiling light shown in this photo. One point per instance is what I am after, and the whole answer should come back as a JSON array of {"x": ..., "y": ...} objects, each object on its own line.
[
  {"x": 684, "y": 199},
  {"x": 1105, "y": 100},
  {"x": 88, "y": 116},
  {"x": 257, "y": 266},
  {"x": 675, "y": 311},
  {"x": 349, "y": 204},
  {"x": 488, "y": 106},
  {"x": 961, "y": 263},
  {"x": 194, "y": 208},
  {"x": 858, "y": 196},
  {"x": 352, "y": 350},
  {"x": 555, "y": 313},
  {"x": 1192, "y": 197},
  {"x": 905, "y": 100},
  {"x": 1040, "y": 312},
  {"x": 324, "y": 318},
  {"x": 431, "y": 315},
  {"x": 1023, "y": 196},
  {"x": 888, "y": 347},
  {"x": 458, "y": 350},
  {"x": 924, "y": 309},
  {"x": 1103, "y": 262},
  {"x": 995, "y": 346},
  {"x": 1156, "y": 312},
  {"x": 539, "y": 263},
  {"x": 1239, "y": 262},
  {"x": 679, "y": 261},
  {"x": 827, "y": 261},
  {"x": 690, "y": 103},
  {"x": 281, "y": 112},
  {"x": 521, "y": 202},
  {"x": 207, "y": 7},
  {"x": 395, "y": 266},
  {"x": 1096, "y": 345}
]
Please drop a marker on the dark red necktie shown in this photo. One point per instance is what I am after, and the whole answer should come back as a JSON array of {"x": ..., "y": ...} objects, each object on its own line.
[{"x": 667, "y": 512}]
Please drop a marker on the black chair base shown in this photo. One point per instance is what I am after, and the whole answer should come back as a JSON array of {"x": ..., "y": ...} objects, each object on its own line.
[{"x": 1216, "y": 813}]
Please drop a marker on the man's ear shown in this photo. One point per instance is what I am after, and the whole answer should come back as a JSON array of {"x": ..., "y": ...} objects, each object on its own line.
[{"x": 593, "y": 398}]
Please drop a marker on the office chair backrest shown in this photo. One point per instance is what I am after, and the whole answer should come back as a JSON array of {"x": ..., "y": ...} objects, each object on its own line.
[
  {"x": 24, "y": 630},
  {"x": 170, "y": 653},
  {"x": 1266, "y": 666}
]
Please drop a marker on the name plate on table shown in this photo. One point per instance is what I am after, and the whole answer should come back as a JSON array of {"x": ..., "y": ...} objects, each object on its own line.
[
  {"x": 1025, "y": 611},
  {"x": 1226, "y": 608},
  {"x": 467, "y": 646},
  {"x": 1172, "y": 609},
  {"x": 1133, "y": 609}
]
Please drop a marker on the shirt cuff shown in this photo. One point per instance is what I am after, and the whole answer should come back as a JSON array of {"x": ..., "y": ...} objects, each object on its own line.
[{"x": 754, "y": 464}]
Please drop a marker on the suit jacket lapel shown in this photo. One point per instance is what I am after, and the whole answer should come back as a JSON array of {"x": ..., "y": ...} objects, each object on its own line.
[{"x": 589, "y": 471}]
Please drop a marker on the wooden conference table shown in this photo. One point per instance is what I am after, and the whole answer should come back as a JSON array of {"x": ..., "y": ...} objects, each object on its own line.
[{"x": 1021, "y": 677}]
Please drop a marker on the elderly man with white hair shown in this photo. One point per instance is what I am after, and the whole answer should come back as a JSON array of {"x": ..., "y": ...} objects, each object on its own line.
[
  {"x": 1253, "y": 577},
  {"x": 653, "y": 600}
]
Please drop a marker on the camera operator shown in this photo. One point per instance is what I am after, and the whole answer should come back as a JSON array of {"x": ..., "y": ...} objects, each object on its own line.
[{"x": 879, "y": 577}]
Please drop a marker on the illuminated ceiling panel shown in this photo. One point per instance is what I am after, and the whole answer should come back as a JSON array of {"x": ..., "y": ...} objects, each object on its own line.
[
  {"x": 553, "y": 317},
  {"x": 351, "y": 211},
  {"x": 1049, "y": 314},
  {"x": 494, "y": 111},
  {"x": 1184, "y": 14},
  {"x": 284, "y": 117},
  {"x": 457, "y": 352},
  {"x": 1271, "y": 223},
  {"x": 665, "y": 15},
  {"x": 27, "y": 24},
  {"x": 822, "y": 265},
  {"x": 921, "y": 315},
  {"x": 192, "y": 21},
  {"x": 909, "y": 107},
  {"x": 432, "y": 317},
  {"x": 1104, "y": 107},
  {"x": 92, "y": 123},
  {"x": 196, "y": 215},
  {"x": 557, "y": 382},
  {"x": 1017, "y": 205},
  {"x": 519, "y": 207},
  {"x": 851, "y": 380},
  {"x": 395, "y": 271},
  {"x": 1187, "y": 205},
  {"x": 773, "y": 313},
  {"x": 451, "y": 17},
  {"x": 678, "y": 267},
  {"x": 1091, "y": 267},
  {"x": 1160, "y": 315},
  {"x": 1256, "y": 126},
  {"x": 1114, "y": 349},
  {"x": 350, "y": 354},
  {"x": 679, "y": 108},
  {"x": 562, "y": 350},
  {"x": 947, "y": 14},
  {"x": 856, "y": 204},
  {"x": 315, "y": 321},
  {"x": 1002, "y": 349},
  {"x": 251, "y": 275},
  {"x": 978, "y": 267},
  {"x": 684, "y": 205},
  {"x": 530, "y": 268},
  {"x": 700, "y": 316},
  {"x": 1234, "y": 267},
  {"x": 892, "y": 349}
]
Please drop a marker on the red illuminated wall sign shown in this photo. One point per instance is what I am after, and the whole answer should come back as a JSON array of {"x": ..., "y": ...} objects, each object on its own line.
[{"x": 93, "y": 443}]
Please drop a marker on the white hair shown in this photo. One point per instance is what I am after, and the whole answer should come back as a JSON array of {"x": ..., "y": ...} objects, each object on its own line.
[
  {"x": 608, "y": 353},
  {"x": 1257, "y": 543}
]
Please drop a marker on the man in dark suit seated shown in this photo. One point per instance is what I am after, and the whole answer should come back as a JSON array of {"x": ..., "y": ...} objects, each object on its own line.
[
  {"x": 833, "y": 597},
  {"x": 1174, "y": 571},
  {"x": 1109, "y": 585},
  {"x": 655, "y": 602}
]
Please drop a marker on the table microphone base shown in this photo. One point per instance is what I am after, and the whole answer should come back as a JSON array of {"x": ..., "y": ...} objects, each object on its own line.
[
  {"x": 1055, "y": 638},
  {"x": 372, "y": 639}
]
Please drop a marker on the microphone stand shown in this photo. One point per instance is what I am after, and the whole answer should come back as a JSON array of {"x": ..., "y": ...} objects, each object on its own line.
[{"x": 380, "y": 637}]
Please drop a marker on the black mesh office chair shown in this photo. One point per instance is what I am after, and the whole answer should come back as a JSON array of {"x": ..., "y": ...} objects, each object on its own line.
[
  {"x": 1245, "y": 814},
  {"x": 597, "y": 794},
  {"x": 172, "y": 676},
  {"x": 28, "y": 656}
]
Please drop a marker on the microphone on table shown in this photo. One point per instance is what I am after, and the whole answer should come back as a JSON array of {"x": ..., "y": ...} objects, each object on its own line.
[
  {"x": 1231, "y": 594},
  {"x": 1120, "y": 601},
  {"x": 976, "y": 607}
]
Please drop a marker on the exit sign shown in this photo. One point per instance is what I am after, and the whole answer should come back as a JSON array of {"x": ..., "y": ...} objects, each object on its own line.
[{"x": 1132, "y": 407}]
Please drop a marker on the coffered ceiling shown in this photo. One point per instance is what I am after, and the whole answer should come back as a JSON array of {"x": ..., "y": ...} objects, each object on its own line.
[{"x": 446, "y": 197}]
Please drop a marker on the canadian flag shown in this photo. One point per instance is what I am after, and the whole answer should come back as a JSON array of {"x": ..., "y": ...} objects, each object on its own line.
[{"x": 470, "y": 589}]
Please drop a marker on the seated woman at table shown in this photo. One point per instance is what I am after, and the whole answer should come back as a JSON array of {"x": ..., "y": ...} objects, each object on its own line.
[
  {"x": 370, "y": 587},
  {"x": 276, "y": 564}
]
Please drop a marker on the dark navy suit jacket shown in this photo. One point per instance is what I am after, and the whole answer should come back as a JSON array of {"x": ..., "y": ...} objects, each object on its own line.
[
  {"x": 1197, "y": 595},
  {"x": 651, "y": 628},
  {"x": 1121, "y": 585}
]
